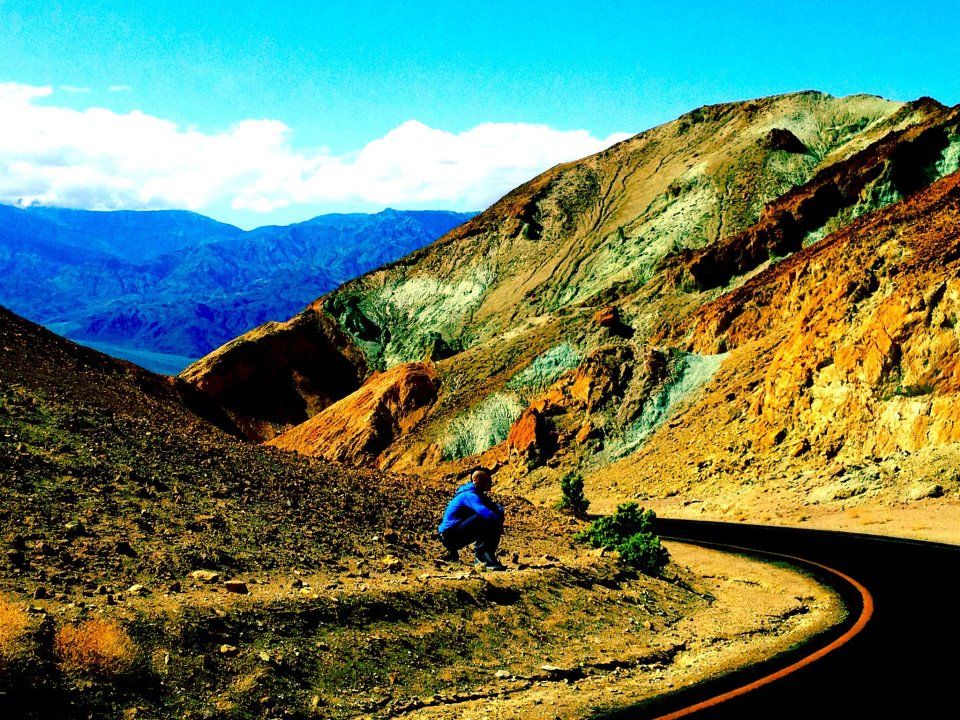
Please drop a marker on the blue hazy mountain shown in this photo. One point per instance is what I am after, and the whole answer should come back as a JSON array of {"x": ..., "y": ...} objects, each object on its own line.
[{"x": 162, "y": 287}]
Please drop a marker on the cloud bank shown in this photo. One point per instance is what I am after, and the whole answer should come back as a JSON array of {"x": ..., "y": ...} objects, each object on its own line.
[{"x": 99, "y": 159}]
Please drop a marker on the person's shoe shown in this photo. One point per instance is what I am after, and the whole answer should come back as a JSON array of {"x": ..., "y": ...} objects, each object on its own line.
[
  {"x": 450, "y": 555},
  {"x": 489, "y": 562}
]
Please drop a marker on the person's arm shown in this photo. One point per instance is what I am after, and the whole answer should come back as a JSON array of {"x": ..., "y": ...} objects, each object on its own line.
[{"x": 484, "y": 507}]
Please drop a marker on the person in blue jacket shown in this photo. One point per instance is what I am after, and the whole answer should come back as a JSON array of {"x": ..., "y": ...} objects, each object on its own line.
[{"x": 472, "y": 517}]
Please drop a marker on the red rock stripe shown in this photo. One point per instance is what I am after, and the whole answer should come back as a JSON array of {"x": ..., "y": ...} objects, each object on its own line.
[{"x": 854, "y": 630}]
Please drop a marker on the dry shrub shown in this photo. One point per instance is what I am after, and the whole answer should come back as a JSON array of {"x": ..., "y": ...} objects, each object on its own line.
[
  {"x": 14, "y": 633},
  {"x": 96, "y": 647}
]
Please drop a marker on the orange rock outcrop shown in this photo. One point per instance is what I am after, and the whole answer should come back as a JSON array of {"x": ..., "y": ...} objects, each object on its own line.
[{"x": 357, "y": 428}]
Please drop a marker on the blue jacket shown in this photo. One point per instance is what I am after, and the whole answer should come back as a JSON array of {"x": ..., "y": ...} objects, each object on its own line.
[{"x": 467, "y": 502}]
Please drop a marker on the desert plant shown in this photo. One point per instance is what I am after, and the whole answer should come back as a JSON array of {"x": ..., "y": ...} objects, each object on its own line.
[
  {"x": 14, "y": 634},
  {"x": 629, "y": 531},
  {"x": 610, "y": 531},
  {"x": 572, "y": 498},
  {"x": 644, "y": 552},
  {"x": 95, "y": 647}
]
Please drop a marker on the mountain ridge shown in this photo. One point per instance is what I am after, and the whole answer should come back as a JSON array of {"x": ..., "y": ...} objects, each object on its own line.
[{"x": 193, "y": 291}]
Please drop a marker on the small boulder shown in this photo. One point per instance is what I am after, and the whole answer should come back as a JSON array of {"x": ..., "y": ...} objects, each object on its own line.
[
  {"x": 391, "y": 563},
  {"x": 205, "y": 576},
  {"x": 136, "y": 590},
  {"x": 122, "y": 547},
  {"x": 229, "y": 650},
  {"x": 236, "y": 586},
  {"x": 924, "y": 491}
]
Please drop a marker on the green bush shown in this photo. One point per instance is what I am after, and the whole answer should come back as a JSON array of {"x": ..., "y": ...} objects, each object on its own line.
[
  {"x": 610, "y": 531},
  {"x": 573, "y": 500},
  {"x": 629, "y": 531},
  {"x": 644, "y": 552}
]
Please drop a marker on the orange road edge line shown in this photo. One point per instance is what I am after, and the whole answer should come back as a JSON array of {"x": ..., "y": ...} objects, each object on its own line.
[{"x": 852, "y": 632}]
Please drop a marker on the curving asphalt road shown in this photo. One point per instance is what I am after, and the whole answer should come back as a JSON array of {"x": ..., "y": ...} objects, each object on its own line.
[{"x": 896, "y": 656}]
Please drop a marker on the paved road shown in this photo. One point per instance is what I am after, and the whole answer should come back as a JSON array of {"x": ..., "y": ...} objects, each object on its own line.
[{"x": 905, "y": 663}]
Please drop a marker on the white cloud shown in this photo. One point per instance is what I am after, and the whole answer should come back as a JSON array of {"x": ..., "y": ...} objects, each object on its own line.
[
  {"x": 100, "y": 159},
  {"x": 74, "y": 89}
]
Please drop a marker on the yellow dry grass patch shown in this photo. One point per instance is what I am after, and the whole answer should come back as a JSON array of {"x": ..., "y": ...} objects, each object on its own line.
[
  {"x": 14, "y": 629},
  {"x": 96, "y": 647}
]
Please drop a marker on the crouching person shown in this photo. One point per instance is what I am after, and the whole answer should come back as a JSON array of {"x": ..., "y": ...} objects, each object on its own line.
[{"x": 472, "y": 517}]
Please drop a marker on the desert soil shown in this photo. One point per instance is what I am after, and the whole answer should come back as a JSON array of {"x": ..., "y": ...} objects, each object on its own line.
[
  {"x": 756, "y": 610},
  {"x": 564, "y": 632}
]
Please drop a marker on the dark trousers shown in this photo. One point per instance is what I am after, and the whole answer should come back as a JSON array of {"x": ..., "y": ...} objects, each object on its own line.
[{"x": 474, "y": 529}]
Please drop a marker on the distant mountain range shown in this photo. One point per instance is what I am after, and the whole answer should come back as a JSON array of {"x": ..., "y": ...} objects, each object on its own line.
[{"x": 163, "y": 287}]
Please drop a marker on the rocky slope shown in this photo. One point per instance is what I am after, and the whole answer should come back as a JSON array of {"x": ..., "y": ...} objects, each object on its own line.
[
  {"x": 841, "y": 383},
  {"x": 572, "y": 320},
  {"x": 107, "y": 469},
  {"x": 155, "y": 564}
]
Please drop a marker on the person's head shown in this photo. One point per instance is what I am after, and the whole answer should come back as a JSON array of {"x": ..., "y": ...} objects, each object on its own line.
[{"x": 481, "y": 480}]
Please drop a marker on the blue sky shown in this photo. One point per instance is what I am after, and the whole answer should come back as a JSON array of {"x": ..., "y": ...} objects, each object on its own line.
[{"x": 333, "y": 78}]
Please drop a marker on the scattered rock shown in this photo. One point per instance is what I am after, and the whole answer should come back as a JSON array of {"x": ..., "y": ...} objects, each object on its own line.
[
  {"x": 229, "y": 650},
  {"x": 841, "y": 491},
  {"x": 123, "y": 547},
  {"x": 554, "y": 672},
  {"x": 206, "y": 576},
  {"x": 392, "y": 563},
  {"x": 175, "y": 587},
  {"x": 236, "y": 586},
  {"x": 922, "y": 492},
  {"x": 40, "y": 593},
  {"x": 137, "y": 590},
  {"x": 264, "y": 656},
  {"x": 502, "y": 675},
  {"x": 74, "y": 528}
]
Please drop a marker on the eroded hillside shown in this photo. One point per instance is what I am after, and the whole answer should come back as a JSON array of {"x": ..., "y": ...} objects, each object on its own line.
[{"x": 570, "y": 322}]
